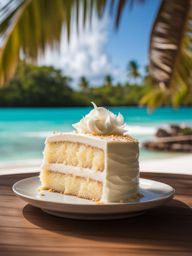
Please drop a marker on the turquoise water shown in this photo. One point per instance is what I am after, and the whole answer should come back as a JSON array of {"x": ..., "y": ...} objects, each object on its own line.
[{"x": 23, "y": 130}]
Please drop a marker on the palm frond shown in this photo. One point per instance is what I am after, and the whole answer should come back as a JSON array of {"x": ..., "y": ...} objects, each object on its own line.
[
  {"x": 170, "y": 53},
  {"x": 28, "y": 27},
  {"x": 166, "y": 38}
]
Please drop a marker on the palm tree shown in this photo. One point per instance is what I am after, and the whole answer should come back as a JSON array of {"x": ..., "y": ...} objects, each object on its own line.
[
  {"x": 84, "y": 84},
  {"x": 108, "y": 81},
  {"x": 133, "y": 71},
  {"x": 170, "y": 55},
  {"x": 146, "y": 76},
  {"x": 27, "y": 27}
]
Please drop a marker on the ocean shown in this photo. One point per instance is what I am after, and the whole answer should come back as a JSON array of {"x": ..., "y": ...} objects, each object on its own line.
[{"x": 23, "y": 130}]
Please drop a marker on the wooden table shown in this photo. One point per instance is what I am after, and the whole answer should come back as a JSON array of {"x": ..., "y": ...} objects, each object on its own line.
[{"x": 167, "y": 230}]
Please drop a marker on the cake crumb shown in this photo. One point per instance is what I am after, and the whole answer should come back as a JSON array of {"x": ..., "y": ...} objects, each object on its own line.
[{"x": 98, "y": 202}]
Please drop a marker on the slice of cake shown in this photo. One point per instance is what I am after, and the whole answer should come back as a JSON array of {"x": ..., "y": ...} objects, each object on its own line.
[{"x": 98, "y": 161}]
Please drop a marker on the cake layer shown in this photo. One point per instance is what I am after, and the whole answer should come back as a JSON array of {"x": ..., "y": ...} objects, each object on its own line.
[
  {"x": 71, "y": 185},
  {"x": 75, "y": 170},
  {"x": 74, "y": 154}
]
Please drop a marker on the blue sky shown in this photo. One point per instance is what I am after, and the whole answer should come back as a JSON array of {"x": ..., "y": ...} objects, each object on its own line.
[
  {"x": 101, "y": 50},
  {"x": 131, "y": 40}
]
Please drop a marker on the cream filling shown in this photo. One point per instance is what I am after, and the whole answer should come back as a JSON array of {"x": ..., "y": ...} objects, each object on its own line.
[{"x": 75, "y": 170}]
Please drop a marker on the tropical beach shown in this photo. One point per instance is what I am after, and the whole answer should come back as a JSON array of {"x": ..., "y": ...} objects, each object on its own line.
[
  {"x": 95, "y": 127},
  {"x": 23, "y": 131}
]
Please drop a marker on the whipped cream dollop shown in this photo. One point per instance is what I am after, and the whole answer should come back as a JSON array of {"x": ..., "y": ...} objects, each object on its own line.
[{"x": 102, "y": 122}]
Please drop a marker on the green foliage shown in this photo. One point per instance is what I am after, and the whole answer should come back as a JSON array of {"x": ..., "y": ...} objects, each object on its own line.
[
  {"x": 44, "y": 86},
  {"x": 37, "y": 86}
]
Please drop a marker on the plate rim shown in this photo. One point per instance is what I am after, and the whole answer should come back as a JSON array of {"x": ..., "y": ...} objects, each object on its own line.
[{"x": 170, "y": 195}]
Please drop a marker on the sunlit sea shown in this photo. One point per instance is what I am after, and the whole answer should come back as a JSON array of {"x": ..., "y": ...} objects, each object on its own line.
[{"x": 23, "y": 130}]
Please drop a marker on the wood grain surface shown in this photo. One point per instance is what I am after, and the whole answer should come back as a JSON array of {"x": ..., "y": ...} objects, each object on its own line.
[{"x": 167, "y": 230}]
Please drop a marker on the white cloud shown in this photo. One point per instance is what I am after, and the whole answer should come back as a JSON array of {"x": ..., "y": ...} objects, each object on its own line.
[{"x": 85, "y": 54}]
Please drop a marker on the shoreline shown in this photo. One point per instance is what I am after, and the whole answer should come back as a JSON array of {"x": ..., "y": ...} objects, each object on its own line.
[{"x": 180, "y": 164}]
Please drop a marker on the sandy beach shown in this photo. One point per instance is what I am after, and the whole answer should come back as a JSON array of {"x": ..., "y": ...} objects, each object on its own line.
[{"x": 180, "y": 164}]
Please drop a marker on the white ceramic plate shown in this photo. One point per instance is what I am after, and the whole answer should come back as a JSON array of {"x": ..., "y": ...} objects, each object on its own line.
[{"x": 154, "y": 194}]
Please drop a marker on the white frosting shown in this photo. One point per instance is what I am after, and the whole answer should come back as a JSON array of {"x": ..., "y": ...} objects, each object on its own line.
[
  {"x": 75, "y": 170},
  {"x": 80, "y": 138},
  {"x": 102, "y": 122},
  {"x": 121, "y": 182}
]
